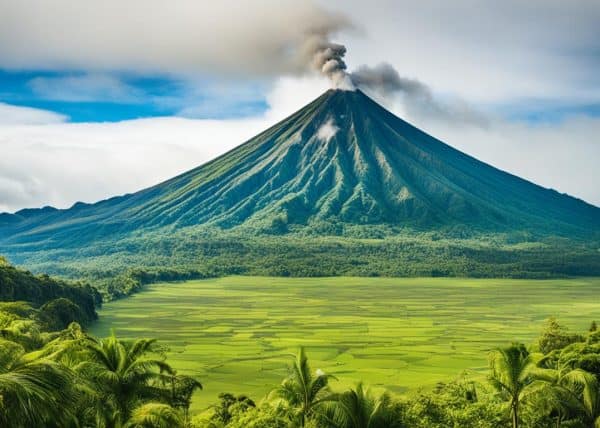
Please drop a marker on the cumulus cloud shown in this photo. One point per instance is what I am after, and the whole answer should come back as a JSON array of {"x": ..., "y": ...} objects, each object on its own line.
[
  {"x": 494, "y": 53},
  {"x": 60, "y": 164},
  {"x": 12, "y": 115},
  {"x": 18, "y": 188}
]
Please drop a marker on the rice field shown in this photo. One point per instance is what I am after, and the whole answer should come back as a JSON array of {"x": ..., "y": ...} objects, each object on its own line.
[{"x": 236, "y": 334}]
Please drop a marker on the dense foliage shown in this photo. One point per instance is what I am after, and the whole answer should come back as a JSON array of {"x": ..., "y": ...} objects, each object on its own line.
[
  {"x": 54, "y": 303},
  {"x": 74, "y": 380},
  {"x": 53, "y": 374}
]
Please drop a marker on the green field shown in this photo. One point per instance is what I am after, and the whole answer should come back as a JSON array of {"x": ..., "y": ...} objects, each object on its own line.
[{"x": 236, "y": 333}]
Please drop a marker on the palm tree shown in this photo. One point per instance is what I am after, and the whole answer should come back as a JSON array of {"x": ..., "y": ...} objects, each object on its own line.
[
  {"x": 182, "y": 389},
  {"x": 511, "y": 369},
  {"x": 303, "y": 390},
  {"x": 564, "y": 391},
  {"x": 587, "y": 388},
  {"x": 546, "y": 398},
  {"x": 34, "y": 391},
  {"x": 568, "y": 392},
  {"x": 154, "y": 415},
  {"x": 126, "y": 375},
  {"x": 583, "y": 389},
  {"x": 359, "y": 408}
]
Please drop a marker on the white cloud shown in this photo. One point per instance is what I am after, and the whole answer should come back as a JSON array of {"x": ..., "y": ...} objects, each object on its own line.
[
  {"x": 12, "y": 115},
  {"x": 290, "y": 94},
  {"x": 327, "y": 131},
  {"x": 488, "y": 52},
  {"x": 63, "y": 163},
  {"x": 84, "y": 88}
]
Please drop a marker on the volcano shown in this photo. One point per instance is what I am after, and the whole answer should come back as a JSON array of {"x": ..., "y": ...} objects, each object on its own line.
[{"x": 341, "y": 159}]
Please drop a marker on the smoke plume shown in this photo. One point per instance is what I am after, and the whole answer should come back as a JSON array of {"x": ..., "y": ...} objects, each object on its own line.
[
  {"x": 385, "y": 83},
  {"x": 327, "y": 58},
  {"x": 382, "y": 81},
  {"x": 385, "y": 80}
]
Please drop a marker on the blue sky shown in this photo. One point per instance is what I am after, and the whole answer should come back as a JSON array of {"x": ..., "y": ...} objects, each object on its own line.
[
  {"x": 104, "y": 97},
  {"x": 111, "y": 97}
]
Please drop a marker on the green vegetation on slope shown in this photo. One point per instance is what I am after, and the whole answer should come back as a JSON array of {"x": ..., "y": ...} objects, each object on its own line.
[
  {"x": 235, "y": 333},
  {"x": 376, "y": 170}
]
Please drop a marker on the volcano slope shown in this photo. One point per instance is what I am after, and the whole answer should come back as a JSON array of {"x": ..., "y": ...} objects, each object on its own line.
[{"x": 341, "y": 181}]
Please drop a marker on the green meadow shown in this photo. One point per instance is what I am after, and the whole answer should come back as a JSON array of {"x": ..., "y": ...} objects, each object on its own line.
[{"x": 237, "y": 333}]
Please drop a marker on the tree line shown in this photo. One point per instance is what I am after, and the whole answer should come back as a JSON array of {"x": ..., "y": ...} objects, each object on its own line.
[{"x": 119, "y": 268}]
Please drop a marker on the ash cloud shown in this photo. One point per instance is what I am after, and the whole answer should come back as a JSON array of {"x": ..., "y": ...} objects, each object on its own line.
[
  {"x": 263, "y": 38},
  {"x": 385, "y": 83}
]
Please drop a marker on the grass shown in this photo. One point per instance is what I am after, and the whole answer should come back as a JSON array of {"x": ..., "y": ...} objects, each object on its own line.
[{"x": 236, "y": 334}]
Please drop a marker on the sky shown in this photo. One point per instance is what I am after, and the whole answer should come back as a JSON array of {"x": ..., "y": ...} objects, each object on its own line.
[{"x": 101, "y": 98}]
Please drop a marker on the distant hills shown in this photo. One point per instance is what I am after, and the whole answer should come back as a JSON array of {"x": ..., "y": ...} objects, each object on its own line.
[{"x": 339, "y": 165}]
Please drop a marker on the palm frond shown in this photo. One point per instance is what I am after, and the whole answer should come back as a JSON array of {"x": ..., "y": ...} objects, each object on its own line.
[{"x": 154, "y": 415}]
